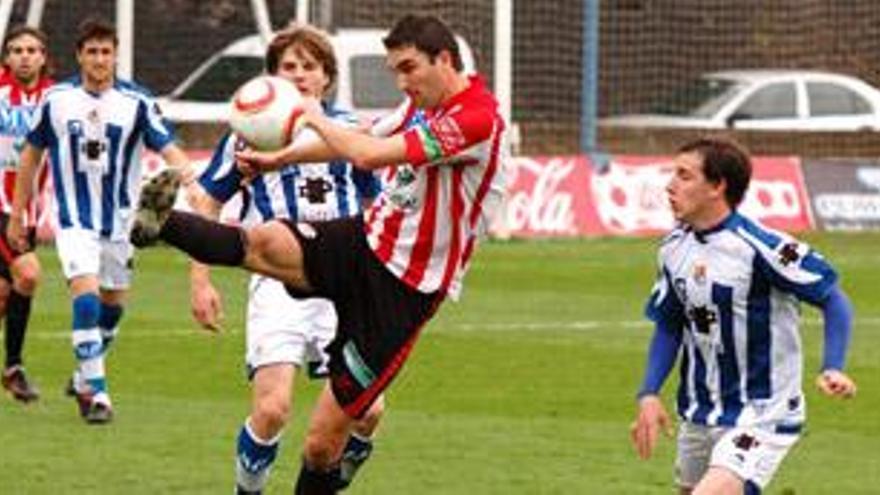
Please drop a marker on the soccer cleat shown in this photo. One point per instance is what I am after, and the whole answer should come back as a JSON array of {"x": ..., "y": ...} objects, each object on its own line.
[
  {"x": 15, "y": 381},
  {"x": 98, "y": 413},
  {"x": 356, "y": 453},
  {"x": 241, "y": 491},
  {"x": 157, "y": 200}
]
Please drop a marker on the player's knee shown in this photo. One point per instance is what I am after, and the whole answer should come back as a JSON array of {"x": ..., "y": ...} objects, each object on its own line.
[
  {"x": 272, "y": 413},
  {"x": 321, "y": 452},
  {"x": 368, "y": 423},
  {"x": 27, "y": 278}
]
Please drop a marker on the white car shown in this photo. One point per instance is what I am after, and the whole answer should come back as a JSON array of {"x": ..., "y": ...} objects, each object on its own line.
[
  {"x": 364, "y": 84},
  {"x": 766, "y": 100}
]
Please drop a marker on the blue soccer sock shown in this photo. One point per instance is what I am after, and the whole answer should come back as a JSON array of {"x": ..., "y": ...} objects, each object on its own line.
[
  {"x": 87, "y": 345},
  {"x": 254, "y": 459},
  {"x": 108, "y": 322}
]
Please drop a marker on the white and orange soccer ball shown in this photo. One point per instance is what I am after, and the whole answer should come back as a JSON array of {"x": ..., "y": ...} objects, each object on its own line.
[{"x": 266, "y": 111}]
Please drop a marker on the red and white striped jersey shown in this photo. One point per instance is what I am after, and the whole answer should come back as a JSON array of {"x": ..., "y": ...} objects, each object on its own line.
[
  {"x": 426, "y": 220},
  {"x": 18, "y": 108}
]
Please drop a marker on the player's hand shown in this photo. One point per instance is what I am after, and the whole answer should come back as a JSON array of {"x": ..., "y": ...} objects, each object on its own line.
[
  {"x": 207, "y": 307},
  {"x": 251, "y": 162},
  {"x": 835, "y": 383},
  {"x": 16, "y": 233},
  {"x": 652, "y": 419}
]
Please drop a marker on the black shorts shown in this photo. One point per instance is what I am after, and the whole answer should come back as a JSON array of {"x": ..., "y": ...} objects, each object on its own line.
[
  {"x": 7, "y": 254},
  {"x": 379, "y": 315}
]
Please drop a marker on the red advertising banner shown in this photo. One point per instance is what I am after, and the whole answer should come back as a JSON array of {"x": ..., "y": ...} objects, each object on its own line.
[{"x": 565, "y": 196}]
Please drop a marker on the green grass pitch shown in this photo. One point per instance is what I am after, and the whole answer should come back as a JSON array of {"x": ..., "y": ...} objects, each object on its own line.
[{"x": 524, "y": 387}]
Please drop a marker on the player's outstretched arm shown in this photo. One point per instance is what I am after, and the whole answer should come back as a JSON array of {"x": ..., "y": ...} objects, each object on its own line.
[
  {"x": 837, "y": 315},
  {"x": 16, "y": 231}
]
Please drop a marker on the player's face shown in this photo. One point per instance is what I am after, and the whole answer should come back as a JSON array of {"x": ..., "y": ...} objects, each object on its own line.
[
  {"x": 417, "y": 76},
  {"x": 692, "y": 197},
  {"x": 304, "y": 70},
  {"x": 25, "y": 57},
  {"x": 97, "y": 61}
]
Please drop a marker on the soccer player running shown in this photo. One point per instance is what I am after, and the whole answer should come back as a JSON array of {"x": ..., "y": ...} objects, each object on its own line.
[
  {"x": 284, "y": 334},
  {"x": 726, "y": 299},
  {"x": 94, "y": 127},
  {"x": 387, "y": 270},
  {"x": 22, "y": 85}
]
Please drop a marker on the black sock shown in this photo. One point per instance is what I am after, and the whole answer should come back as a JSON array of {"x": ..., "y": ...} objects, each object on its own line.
[
  {"x": 205, "y": 240},
  {"x": 18, "y": 312},
  {"x": 313, "y": 482}
]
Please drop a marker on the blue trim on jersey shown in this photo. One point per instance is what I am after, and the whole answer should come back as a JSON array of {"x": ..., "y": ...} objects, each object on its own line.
[
  {"x": 128, "y": 155},
  {"x": 670, "y": 308},
  {"x": 769, "y": 239},
  {"x": 731, "y": 405},
  {"x": 366, "y": 183},
  {"x": 80, "y": 185},
  {"x": 261, "y": 198},
  {"x": 684, "y": 369},
  {"x": 759, "y": 341},
  {"x": 114, "y": 135},
  {"x": 664, "y": 348},
  {"x": 338, "y": 169},
  {"x": 701, "y": 391},
  {"x": 288, "y": 183},
  {"x": 221, "y": 188}
]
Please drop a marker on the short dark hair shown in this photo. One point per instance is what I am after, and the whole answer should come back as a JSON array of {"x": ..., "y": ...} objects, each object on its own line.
[
  {"x": 723, "y": 159},
  {"x": 312, "y": 40},
  {"x": 23, "y": 30},
  {"x": 428, "y": 34},
  {"x": 95, "y": 28}
]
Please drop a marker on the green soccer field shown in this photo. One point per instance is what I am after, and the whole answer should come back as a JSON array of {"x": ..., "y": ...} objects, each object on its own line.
[{"x": 525, "y": 387}]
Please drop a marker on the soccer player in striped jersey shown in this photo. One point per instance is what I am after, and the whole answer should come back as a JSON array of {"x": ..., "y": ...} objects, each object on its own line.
[
  {"x": 22, "y": 85},
  {"x": 727, "y": 300},
  {"x": 94, "y": 127},
  {"x": 284, "y": 334},
  {"x": 388, "y": 270}
]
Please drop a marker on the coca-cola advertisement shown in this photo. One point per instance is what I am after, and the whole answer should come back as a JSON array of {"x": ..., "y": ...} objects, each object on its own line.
[
  {"x": 546, "y": 197},
  {"x": 568, "y": 196}
]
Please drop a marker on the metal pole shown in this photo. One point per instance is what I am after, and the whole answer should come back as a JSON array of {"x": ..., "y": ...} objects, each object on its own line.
[
  {"x": 35, "y": 13},
  {"x": 590, "y": 76},
  {"x": 125, "y": 31},
  {"x": 5, "y": 13},
  {"x": 261, "y": 16},
  {"x": 302, "y": 11},
  {"x": 503, "y": 70}
]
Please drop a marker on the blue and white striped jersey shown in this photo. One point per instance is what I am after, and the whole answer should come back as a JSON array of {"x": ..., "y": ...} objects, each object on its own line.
[
  {"x": 734, "y": 293},
  {"x": 302, "y": 192},
  {"x": 94, "y": 143}
]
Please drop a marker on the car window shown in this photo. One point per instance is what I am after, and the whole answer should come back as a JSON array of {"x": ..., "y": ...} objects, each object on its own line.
[
  {"x": 372, "y": 83},
  {"x": 698, "y": 98},
  {"x": 833, "y": 99},
  {"x": 775, "y": 101},
  {"x": 222, "y": 79}
]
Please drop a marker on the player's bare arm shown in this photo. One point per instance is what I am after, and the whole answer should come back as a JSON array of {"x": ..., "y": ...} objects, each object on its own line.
[
  {"x": 364, "y": 151},
  {"x": 206, "y": 303},
  {"x": 16, "y": 232}
]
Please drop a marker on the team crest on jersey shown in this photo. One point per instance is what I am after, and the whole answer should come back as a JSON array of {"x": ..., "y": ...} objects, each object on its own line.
[
  {"x": 307, "y": 230},
  {"x": 745, "y": 442},
  {"x": 789, "y": 254}
]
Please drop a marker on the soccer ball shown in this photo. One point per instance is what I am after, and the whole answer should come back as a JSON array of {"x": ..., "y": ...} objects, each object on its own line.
[{"x": 265, "y": 112}]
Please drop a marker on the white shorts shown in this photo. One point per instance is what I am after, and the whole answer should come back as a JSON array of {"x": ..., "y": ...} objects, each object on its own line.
[
  {"x": 281, "y": 329},
  {"x": 752, "y": 453},
  {"x": 82, "y": 252}
]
